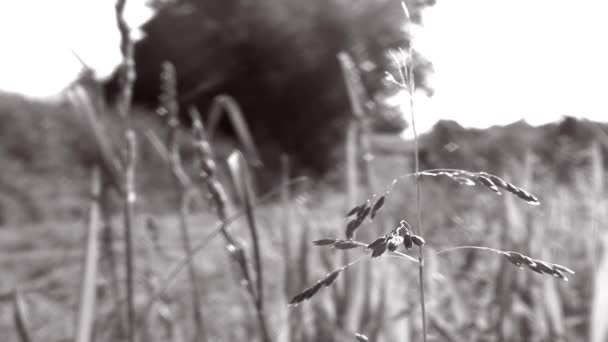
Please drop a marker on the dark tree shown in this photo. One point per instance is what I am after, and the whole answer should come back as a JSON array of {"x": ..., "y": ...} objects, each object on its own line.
[{"x": 277, "y": 58}]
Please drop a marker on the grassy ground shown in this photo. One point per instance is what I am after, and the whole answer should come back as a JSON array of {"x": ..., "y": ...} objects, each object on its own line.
[{"x": 472, "y": 296}]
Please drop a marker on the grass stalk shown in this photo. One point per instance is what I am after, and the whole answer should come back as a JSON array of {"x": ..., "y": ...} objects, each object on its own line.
[
  {"x": 129, "y": 201},
  {"x": 185, "y": 235},
  {"x": 20, "y": 317},
  {"x": 407, "y": 80},
  {"x": 126, "y": 81},
  {"x": 171, "y": 107},
  {"x": 86, "y": 314},
  {"x": 242, "y": 178}
]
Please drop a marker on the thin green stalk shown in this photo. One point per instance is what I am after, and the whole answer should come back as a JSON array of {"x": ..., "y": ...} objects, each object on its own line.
[
  {"x": 129, "y": 202},
  {"x": 126, "y": 79},
  {"x": 409, "y": 82},
  {"x": 86, "y": 311},
  {"x": 183, "y": 222}
]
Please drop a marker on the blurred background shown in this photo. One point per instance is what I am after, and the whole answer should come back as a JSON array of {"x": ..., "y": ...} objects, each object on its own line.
[{"x": 512, "y": 88}]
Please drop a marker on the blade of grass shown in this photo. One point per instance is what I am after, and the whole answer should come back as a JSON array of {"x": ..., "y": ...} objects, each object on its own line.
[
  {"x": 226, "y": 104},
  {"x": 240, "y": 175},
  {"x": 86, "y": 312},
  {"x": 20, "y": 317}
]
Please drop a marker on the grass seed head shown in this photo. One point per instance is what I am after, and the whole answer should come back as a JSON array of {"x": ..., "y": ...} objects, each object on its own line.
[
  {"x": 562, "y": 268},
  {"x": 417, "y": 240},
  {"x": 379, "y": 203},
  {"x": 393, "y": 242},
  {"x": 354, "y": 211},
  {"x": 407, "y": 242},
  {"x": 379, "y": 249},
  {"x": 311, "y": 291},
  {"x": 324, "y": 242},
  {"x": 488, "y": 183},
  {"x": 364, "y": 212},
  {"x": 345, "y": 244},
  {"x": 376, "y": 243},
  {"x": 352, "y": 226}
]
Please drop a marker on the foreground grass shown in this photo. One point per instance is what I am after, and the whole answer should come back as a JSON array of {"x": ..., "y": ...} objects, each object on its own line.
[{"x": 469, "y": 294}]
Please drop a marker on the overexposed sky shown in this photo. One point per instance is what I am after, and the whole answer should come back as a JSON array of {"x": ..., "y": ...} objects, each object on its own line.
[
  {"x": 496, "y": 61},
  {"x": 38, "y": 39}
]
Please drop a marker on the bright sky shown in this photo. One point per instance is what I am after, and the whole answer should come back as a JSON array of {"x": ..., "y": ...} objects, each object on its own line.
[
  {"x": 496, "y": 61},
  {"x": 38, "y": 39}
]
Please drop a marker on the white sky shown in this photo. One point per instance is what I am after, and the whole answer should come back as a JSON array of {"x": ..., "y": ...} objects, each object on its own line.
[
  {"x": 496, "y": 61},
  {"x": 37, "y": 38}
]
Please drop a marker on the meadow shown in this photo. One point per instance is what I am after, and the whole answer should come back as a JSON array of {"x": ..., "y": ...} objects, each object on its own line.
[
  {"x": 472, "y": 295},
  {"x": 118, "y": 225}
]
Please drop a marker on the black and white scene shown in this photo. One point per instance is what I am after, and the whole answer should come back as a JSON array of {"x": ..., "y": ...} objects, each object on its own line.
[{"x": 303, "y": 171}]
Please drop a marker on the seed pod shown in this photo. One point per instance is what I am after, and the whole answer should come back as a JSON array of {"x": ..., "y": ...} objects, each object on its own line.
[
  {"x": 534, "y": 267},
  {"x": 376, "y": 242},
  {"x": 545, "y": 267},
  {"x": 329, "y": 279},
  {"x": 515, "y": 258},
  {"x": 364, "y": 212},
  {"x": 496, "y": 180},
  {"x": 379, "y": 203},
  {"x": 354, "y": 211},
  {"x": 379, "y": 250},
  {"x": 300, "y": 297},
  {"x": 352, "y": 227},
  {"x": 417, "y": 240},
  {"x": 345, "y": 244},
  {"x": 313, "y": 290},
  {"x": 562, "y": 268},
  {"x": 488, "y": 183},
  {"x": 324, "y": 242},
  {"x": 393, "y": 242},
  {"x": 407, "y": 242}
]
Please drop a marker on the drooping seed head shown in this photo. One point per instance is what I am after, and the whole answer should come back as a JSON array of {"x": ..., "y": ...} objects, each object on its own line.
[
  {"x": 562, "y": 268},
  {"x": 393, "y": 242},
  {"x": 364, "y": 212},
  {"x": 379, "y": 250},
  {"x": 545, "y": 267},
  {"x": 407, "y": 241},
  {"x": 487, "y": 183},
  {"x": 515, "y": 258},
  {"x": 377, "y": 242},
  {"x": 354, "y": 211},
  {"x": 379, "y": 203},
  {"x": 352, "y": 226},
  {"x": 417, "y": 240}
]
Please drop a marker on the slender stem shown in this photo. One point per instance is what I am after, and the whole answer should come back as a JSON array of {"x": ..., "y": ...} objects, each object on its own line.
[
  {"x": 470, "y": 247},
  {"x": 86, "y": 312},
  {"x": 127, "y": 78},
  {"x": 185, "y": 235},
  {"x": 259, "y": 300},
  {"x": 129, "y": 200},
  {"x": 411, "y": 87}
]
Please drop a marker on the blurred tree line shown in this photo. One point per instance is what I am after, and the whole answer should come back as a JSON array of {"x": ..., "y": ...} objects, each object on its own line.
[{"x": 277, "y": 58}]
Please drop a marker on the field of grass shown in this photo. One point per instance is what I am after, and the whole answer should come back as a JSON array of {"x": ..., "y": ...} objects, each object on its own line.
[
  {"x": 172, "y": 242},
  {"x": 471, "y": 295}
]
